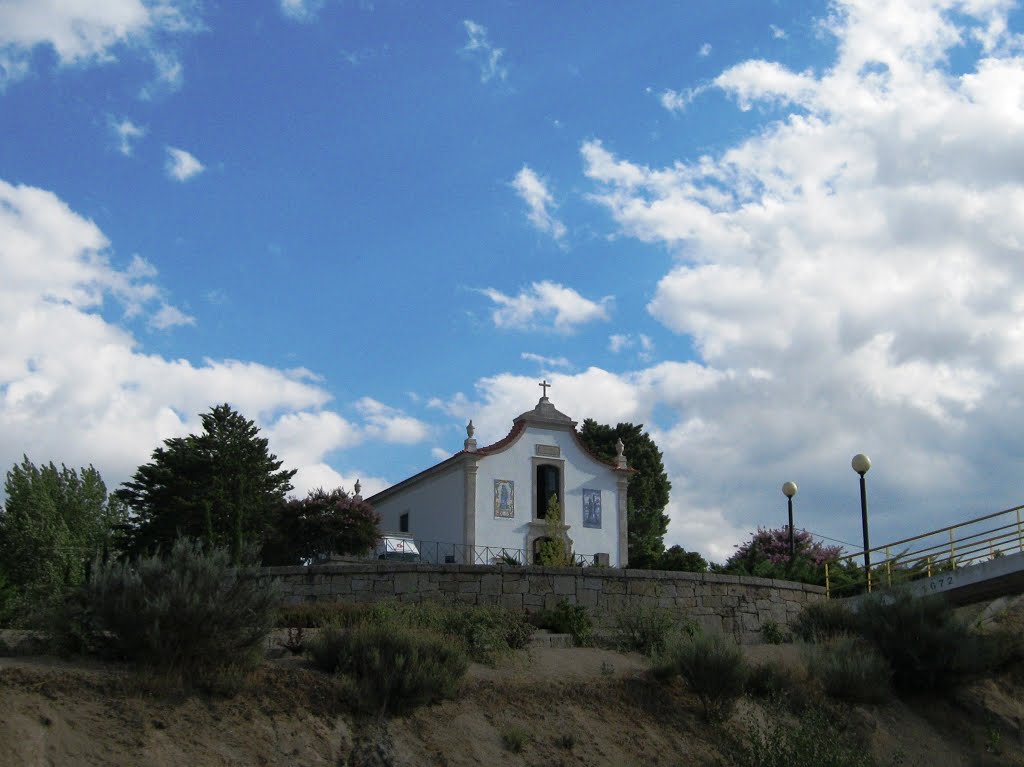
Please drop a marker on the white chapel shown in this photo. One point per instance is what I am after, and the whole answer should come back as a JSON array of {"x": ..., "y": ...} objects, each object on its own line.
[{"x": 484, "y": 502}]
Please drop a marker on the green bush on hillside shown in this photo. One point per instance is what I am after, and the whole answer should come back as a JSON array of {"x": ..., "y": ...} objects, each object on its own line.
[
  {"x": 186, "y": 612},
  {"x": 392, "y": 667},
  {"x": 567, "y": 618},
  {"x": 850, "y": 669},
  {"x": 647, "y": 629},
  {"x": 712, "y": 665}
]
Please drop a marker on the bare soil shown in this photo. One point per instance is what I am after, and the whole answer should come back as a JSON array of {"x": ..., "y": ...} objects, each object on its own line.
[{"x": 540, "y": 707}]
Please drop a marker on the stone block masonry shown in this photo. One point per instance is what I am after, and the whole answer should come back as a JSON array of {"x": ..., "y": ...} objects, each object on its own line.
[{"x": 731, "y": 604}]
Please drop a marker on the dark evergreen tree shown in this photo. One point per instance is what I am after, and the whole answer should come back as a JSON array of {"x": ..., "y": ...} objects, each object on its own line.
[
  {"x": 648, "y": 488},
  {"x": 223, "y": 487}
]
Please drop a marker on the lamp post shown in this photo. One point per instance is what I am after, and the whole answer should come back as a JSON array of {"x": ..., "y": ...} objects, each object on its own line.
[
  {"x": 861, "y": 463},
  {"x": 789, "y": 490}
]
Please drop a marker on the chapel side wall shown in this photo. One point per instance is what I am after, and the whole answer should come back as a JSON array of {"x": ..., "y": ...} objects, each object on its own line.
[
  {"x": 436, "y": 506},
  {"x": 734, "y": 605},
  {"x": 517, "y": 464}
]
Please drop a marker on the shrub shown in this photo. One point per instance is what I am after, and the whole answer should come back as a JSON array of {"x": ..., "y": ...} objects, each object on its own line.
[
  {"x": 813, "y": 741},
  {"x": 925, "y": 645},
  {"x": 850, "y": 669},
  {"x": 483, "y": 633},
  {"x": 773, "y": 680},
  {"x": 712, "y": 665},
  {"x": 647, "y": 630},
  {"x": 392, "y": 667},
  {"x": 185, "y": 613},
  {"x": 314, "y": 615},
  {"x": 567, "y": 618},
  {"x": 771, "y": 633},
  {"x": 821, "y": 621},
  {"x": 514, "y": 739}
]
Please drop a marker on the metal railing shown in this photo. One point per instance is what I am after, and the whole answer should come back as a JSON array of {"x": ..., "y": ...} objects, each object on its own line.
[
  {"x": 948, "y": 548},
  {"x": 440, "y": 552}
]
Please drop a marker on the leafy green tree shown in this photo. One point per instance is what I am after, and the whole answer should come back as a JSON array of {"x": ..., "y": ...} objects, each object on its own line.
[
  {"x": 54, "y": 523},
  {"x": 648, "y": 489},
  {"x": 679, "y": 559},
  {"x": 222, "y": 487},
  {"x": 319, "y": 524}
]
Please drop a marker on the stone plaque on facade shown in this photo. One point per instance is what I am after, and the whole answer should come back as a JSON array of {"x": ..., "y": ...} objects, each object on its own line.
[
  {"x": 504, "y": 498},
  {"x": 550, "y": 451}
]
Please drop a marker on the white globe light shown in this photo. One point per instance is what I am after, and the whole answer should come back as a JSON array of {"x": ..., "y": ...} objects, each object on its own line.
[
  {"x": 861, "y": 463},
  {"x": 789, "y": 489}
]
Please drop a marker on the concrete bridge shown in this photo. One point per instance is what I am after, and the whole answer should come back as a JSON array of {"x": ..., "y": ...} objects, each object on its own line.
[{"x": 975, "y": 560}]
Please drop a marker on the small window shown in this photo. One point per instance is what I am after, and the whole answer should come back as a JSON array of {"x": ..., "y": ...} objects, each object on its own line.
[{"x": 403, "y": 523}]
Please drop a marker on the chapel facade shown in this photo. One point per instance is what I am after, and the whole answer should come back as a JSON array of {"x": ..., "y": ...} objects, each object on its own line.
[{"x": 484, "y": 504}]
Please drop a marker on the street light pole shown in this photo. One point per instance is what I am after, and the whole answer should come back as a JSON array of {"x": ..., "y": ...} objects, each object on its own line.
[
  {"x": 789, "y": 490},
  {"x": 861, "y": 463}
]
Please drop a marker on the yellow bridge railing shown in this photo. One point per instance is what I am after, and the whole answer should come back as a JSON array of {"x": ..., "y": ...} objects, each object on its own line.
[{"x": 922, "y": 556}]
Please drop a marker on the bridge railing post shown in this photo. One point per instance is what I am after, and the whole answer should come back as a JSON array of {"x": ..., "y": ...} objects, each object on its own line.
[
  {"x": 952, "y": 551},
  {"x": 888, "y": 568},
  {"x": 1020, "y": 535},
  {"x": 828, "y": 594}
]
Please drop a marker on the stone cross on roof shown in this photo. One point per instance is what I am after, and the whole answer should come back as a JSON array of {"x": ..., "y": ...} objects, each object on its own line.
[{"x": 544, "y": 385}]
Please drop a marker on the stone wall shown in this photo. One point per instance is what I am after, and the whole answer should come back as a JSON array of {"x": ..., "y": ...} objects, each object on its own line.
[{"x": 728, "y": 603}]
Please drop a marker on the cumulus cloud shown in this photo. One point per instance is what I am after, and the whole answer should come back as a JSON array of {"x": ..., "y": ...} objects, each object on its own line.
[
  {"x": 181, "y": 166},
  {"x": 534, "y": 192},
  {"x": 89, "y": 33},
  {"x": 546, "y": 304},
  {"x": 480, "y": 48},
  {"x": 778, "y": 33},
  {"x": 705, "y": 50},
  {"x": 390, "y": 424},
  {"x": 78, "y": 388},
  {"x": 849, "y": 275}
]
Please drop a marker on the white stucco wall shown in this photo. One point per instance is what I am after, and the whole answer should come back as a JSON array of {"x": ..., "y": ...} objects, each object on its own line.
[
  {"x": 580, "y": 471},
  {"x": 436, "y": 507}
]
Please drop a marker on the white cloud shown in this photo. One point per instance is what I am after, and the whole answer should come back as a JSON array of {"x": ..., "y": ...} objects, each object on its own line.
[
  {"x": 546, "y": 362},
  {"x": 618, "y": 342},
  {"x": 678, "y": 101},
  {"x": 301, "y": 10},
  {"x": 389, "y": 424},
  {"x": 169, "y": 317},
  {"x": 778, "y": 33},
  {"x": 127, "y": 134},
  {"x": 705, "y": 50},
  {"x": 534, "y": 192},
  {"x": 488, "y": 56},
  {"x": 440, "y": 454},
  {"x": 849, "y": 276},
  {"x": 181, "y": 166},
  {"x": 79, "y": 389},
  {"x": 546, "y": 301},
  {"x": 88, "y": 33}
]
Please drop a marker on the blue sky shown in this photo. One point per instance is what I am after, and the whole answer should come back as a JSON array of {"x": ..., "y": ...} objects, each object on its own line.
[{"x": 777, "y": 234}]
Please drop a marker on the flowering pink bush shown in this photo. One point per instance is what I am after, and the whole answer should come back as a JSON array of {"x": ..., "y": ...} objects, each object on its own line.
[{"x": 766, "y": 555}]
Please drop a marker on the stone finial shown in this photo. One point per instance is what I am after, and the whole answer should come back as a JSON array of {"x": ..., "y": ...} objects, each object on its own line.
[
  {"x": 470, "y": 444},
  {"x": 620, "y": 458},
  {"x": 358, "y": 489},
  {"x": 470, "y": 429}
]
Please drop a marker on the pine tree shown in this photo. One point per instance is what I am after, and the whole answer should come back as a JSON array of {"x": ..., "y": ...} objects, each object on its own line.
[{"x": 222, "y": 486}]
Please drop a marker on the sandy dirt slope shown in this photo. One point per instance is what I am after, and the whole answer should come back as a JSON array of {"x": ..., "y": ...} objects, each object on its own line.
[{"x": 562, "y": 706}]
